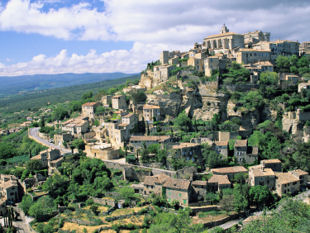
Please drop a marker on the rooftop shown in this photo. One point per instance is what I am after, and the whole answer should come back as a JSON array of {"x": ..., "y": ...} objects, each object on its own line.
[
  {"x": 285, "y": 178},
  {"x": 89, "y": 104},
  {"x": 225, "y": 170},
  {"x": 259, "y": 171},
  {"x": 254, "y": 50},
  {"x": 220, "y": 179},
  {"x": 185, "y": 145},
  {"x": 177, "y": 184},
  {"x": 200, "y": 182},
  {"x": 299, "y": 172},
  {"x": 149, "y": 138},
  {"x": 147, "y": 106},
  {"x": 223, "y": 35},
  {"x": 241, "y": 143},
  {"x": 266, "y": 161},
  {"x": 221, "y": 143}
]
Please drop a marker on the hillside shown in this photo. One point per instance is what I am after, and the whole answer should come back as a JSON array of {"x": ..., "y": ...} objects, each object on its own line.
[{"x": 28, "y": 83}]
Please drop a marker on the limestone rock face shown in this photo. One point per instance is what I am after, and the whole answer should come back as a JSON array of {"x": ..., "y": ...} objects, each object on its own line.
[{"x": 212, "y": 103}]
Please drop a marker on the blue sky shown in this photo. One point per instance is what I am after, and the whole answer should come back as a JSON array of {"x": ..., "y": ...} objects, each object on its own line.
[{"x": 60, "y": 36}]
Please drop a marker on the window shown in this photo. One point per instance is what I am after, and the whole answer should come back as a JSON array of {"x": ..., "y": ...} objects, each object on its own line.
[
  {"x": 184, "y": 201},
  {"x": 180, "y": 194}
]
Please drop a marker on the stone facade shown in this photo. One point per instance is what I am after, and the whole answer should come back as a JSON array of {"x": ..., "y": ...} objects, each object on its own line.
[
  {"x": 119, "y": 102},
  {"x": 230, "y": 171},
  {"x": 101, "y": 151},
  {"x": 225, "y": 41},
  {"x": 258, "y": 175},
  {"x": 190, "y": 151},
  {"x": 106, "y": 100},
  {"x": 88, "y": 109},
  {"x": 249, "y": 56},
  {"x": 137, "y": 141},
  {"x": 76, "y": 126},
  {"x": 151, "y": 113}
]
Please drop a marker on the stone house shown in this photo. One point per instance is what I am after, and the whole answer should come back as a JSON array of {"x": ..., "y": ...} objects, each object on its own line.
[
  {"x": 151, "y": 113},
  {"x": 76, "y": 126},
  {"x": 102, "y": 151},
  {"x": 229, "y": 171},
  {"x": 60, "y": 139},
  {"x": 131, "y": 120},
  {"x": 178, "y": 190},
  {"x": 303, "y": 86},
  {"x": 88, "y": 109},
  {"x": 10, "y": 189},
  {"x": 197, "y": 63},
  {"x": 274, "y": 164},
  {"x": 161, "y": 73},
  {"x": 303, "y": 176},
  {"x": 43, "y": 157},
  {"x": 106, "y": 100},
  {"x": 250, "y": 56},
  {"x": 218, "y": 182},
  {"x": 154, "y": 184},
  {"x": 222, "y": 147},
  {"x": 288, "y": 80},
  {"x": 304, "y": 48},
  {"x": 244, "y": 154},
  {"x": 286, "y": 184},
  {"x": 259, "y": 175},
  {"x": 200, "y": 188},
  {"x": 137, "y": 141},
  {"x": 190, "y": 151},
  {"x": 119, "y": 102}
]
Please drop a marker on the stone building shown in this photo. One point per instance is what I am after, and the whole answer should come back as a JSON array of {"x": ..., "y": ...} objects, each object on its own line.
[
  {"x": 164, "y": 57},
  {"x": 197, "y": 63},
  {"x": 76, "y": 126},
  {"x": 222, "y": 147},
  {"x": 138, "y": 141},
  {"x": 61, "y": 139},
  {"x": 288, "y": 80},
  {"x": 258, "y": 175},
  {"x": 229, "y": 171},
  {"x": 101, "y": 151},
  {"x": 200, "y": 188},
  {"x": 51, "y": 159},
  {"x": 190, "y": 151},
  {"x": 214, "y": 63},
  {"x": 161, "y": 73},
  {"x": 243, "y": 153},
  {"x": 119, "y": 102},
  {"x": 106, "y": 100},
  {"x": 286, "y": 183},
  {"x": 88, "y": 109},
  {"x": 279, "y": 47},
  {"x": 218, "y": 182},
  {"x": 304, "y": 48},
  {"x": 151, "y": 113},
  {"x": 274, "y": 164},
  {"x": 11, "y": 191},
  {"x": 251, "y": 38},
  {"x": 178, "y": 190},
  {"x": 303, "y": 176},
  {"x": 249, "y": 56},
  {"x": 131, "y": 120},
  {"x": 154, "y": 184},
  {"x": 304, "y": 86},
  {"x": 224, "y": 42}
]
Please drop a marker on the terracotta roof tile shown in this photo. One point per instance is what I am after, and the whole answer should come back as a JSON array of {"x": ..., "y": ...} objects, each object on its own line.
[
  {"x": 225, "y": 170},
  {"x": 177, "y": 184}
]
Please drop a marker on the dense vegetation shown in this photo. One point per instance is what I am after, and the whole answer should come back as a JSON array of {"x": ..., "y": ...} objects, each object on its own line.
[{"x": 24, "y": 104}]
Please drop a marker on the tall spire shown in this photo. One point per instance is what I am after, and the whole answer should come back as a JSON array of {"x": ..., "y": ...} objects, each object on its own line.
[{"x": 224, "y": 29}]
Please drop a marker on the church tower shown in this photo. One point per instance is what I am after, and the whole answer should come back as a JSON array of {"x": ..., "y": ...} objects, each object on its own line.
[{"x": 224, "y": 29}]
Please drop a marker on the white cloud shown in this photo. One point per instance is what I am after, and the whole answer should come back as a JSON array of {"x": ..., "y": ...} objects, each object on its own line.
[
  {"x": 127, "y": 61},
  {"x": 151, "y": 24}
]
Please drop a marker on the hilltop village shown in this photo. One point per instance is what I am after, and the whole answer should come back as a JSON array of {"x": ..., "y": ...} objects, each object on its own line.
[{"x": 196, "y": 122}]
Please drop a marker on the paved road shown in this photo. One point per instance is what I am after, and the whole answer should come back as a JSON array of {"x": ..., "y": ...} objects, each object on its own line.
[{"x": 34, "y": 133}]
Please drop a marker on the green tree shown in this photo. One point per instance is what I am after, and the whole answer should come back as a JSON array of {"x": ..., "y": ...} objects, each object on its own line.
[
  {"x": 260, "y": 196},
  {"x": 33, "y": 166},
  {"x": 78, "y": 144},
  {"x": 183, "y": 122},
  {"x": 26, "y": 203},
  {"x": 241, "y": 197},
  {"x": 43, "y": 209}
]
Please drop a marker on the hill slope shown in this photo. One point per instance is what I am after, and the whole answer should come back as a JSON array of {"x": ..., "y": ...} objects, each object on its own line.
[{"x": 28, "y": 83}]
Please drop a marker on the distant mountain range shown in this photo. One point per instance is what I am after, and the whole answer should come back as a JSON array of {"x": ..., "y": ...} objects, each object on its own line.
[{"x": 28, "y": 83}]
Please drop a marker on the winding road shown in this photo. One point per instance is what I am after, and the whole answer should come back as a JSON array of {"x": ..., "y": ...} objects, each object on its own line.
[{"x": 33, "y": 133}]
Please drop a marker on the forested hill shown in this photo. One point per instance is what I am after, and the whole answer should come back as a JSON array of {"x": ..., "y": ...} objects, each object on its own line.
[
  {"x": 29, "y": 83},
  {"x": 37, "y": 99}
]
